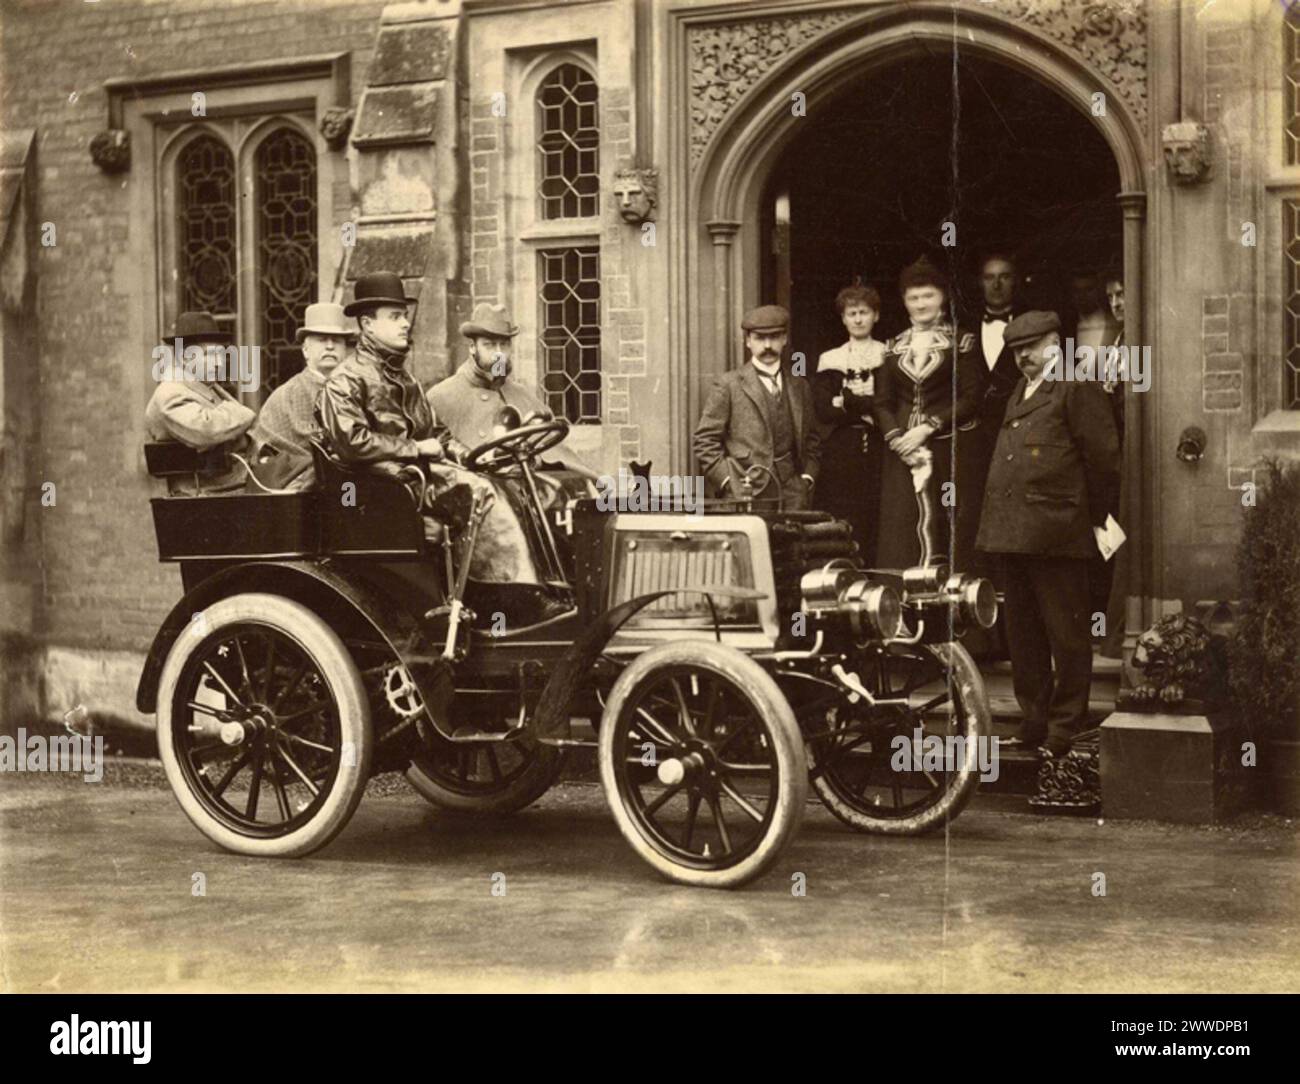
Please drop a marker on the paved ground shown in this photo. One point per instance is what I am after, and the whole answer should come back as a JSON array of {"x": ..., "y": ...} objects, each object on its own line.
[{"x": 95, "y": 894}]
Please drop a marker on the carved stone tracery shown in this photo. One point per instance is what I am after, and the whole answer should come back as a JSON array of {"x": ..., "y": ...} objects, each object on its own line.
[{"x": 728, "y": 59}]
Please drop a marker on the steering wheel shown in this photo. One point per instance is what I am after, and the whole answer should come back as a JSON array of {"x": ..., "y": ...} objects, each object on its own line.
[{"x": 495, "y": 455}]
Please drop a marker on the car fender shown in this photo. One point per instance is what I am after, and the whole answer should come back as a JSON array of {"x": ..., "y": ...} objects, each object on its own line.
[
  {"x": 572, "y": 670},
  {"x": 318, "y": 585}
]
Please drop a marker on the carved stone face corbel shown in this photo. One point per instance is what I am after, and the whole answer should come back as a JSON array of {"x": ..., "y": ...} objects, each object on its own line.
[
  {"x": 637, "y": 191},
  {"x": 335, "y": 126},
  {"x": 1187, "y": 152},
  {"x": 110, "y": 150}
]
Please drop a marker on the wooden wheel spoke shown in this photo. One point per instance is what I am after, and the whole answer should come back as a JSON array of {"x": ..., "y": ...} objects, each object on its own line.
[
  {"x": 683, "y": 709},
  {"x": 217, "y": 713},
  {"x": 270, "y": 667},
  {"x": 281, "y": 798},
  {"x": 311, "y": 708},
  {"x": 721, "y": 824},
  {"x": 740, "y": 800},
  {"x": 692, "y": 812},
  {"x": 711, "y": 712},
  {"x": 222, "y": 682},
  {"x": 310, "y": 744},
  {"x": 656, "y": 729},
  {"x": 293, "y": 764},
  {"x": 289, "y": 689},
  {"x": 232, "y": 771},
  {"x": 243, "y": 667},
  {"x": 255, "y": 787},
  {"x": 663, "y": 798}
]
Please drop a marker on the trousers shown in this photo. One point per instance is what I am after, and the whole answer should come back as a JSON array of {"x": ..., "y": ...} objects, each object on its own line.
[
  {"x": 501, "y": 553},
  {"x": 1049, "y": 640}
]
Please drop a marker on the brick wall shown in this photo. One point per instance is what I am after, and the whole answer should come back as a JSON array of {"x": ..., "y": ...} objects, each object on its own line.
[{"x": 101, "y": 584}]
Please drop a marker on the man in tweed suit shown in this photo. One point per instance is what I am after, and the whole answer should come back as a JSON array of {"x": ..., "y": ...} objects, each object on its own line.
[{"x": 759, "y": 425}]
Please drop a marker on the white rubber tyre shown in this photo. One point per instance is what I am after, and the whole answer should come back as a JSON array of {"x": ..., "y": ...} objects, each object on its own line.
[
  {"x": 348, "y": 716},
  {"x": 772, "y": 735}
]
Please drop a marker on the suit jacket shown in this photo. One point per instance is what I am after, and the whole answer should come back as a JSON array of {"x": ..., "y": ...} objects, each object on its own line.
[
  {"x": 734, "y": 426},
  {"x": 1000, "y": 381},
  {"x": 904, "y": 398},
  {"x": 1055, "y": 472}
]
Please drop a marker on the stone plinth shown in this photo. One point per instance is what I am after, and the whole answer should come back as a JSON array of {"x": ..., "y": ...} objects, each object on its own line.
[{"x": 1169, "y": 767}]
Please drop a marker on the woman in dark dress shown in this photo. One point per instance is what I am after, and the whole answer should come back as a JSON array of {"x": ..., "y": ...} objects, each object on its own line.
[
  {"x": 848, "y": 485},
  {"x": 927, "y": 396}
]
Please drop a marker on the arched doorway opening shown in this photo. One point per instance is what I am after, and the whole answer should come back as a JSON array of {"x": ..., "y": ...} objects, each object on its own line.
[
  {"x": 724, "y": 246},
  {"x": 871, "y": 184}
]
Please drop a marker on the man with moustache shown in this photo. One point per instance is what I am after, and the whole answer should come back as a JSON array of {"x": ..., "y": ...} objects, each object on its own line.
[
  {"x": 284, "y": 429},
  {"x": 1054, "y": 480},
  {"x": 758, "y": 422},
  {"x": 470, "y": 401}
]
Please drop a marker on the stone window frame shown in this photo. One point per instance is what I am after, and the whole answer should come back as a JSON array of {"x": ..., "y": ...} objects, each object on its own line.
[
  {"x": 531, "y": 232},
  {"x": 260, "y": 97}
]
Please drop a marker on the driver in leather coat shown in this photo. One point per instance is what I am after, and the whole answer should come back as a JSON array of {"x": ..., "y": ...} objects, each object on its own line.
[{"x": 375, "y": 416}]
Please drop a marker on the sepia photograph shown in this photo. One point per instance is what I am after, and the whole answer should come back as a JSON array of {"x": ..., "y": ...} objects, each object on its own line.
[{"x": 652, "y": 497}]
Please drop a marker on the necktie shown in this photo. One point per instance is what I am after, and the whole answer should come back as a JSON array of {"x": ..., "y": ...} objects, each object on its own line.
[{"x": 1002, "y": 317}]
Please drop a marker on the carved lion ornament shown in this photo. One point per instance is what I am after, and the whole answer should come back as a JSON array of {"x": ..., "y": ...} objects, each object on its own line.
[{"x": 1170, "y": 660}]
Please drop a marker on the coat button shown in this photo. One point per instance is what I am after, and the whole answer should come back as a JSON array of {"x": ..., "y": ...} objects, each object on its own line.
[
  {"x": 1010, "y": 457},
  {"x": 483, "y": 395},
  {"x": 1015, "y": 425}
]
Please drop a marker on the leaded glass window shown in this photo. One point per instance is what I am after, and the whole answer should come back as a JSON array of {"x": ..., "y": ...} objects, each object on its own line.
[
  {"x": 285, "y": 166},
  {"x": 1291, "y": 83},
  {"x": 206, "y": 235},
  {"x": 1291, "y": 315},
  {"x": 569, "y": 341},
  {"x": 568, "y": 144}
]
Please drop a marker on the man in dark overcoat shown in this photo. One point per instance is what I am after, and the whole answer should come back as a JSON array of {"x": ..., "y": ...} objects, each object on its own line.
[
  {"x": 759, "y": 422},
  {"x": 1053, "y": 481}
]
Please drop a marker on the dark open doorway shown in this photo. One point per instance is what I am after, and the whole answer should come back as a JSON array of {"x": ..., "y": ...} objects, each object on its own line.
[{"x": 869, "y": 183}]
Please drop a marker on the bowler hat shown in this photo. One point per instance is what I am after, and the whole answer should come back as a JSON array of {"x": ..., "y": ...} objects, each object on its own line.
[
  {"x": 325, "y": 318},
  {"x": 1029, "y": 327},
  {"x": 922, "y": 273},
  {"x": 766, "y": 318},
  {"x": 490, "y": 320},
  {"x": 198, "y": 327},
  {"x": 379, "y": 288}
]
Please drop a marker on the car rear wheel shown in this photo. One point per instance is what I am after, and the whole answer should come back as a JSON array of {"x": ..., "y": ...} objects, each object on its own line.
[
  {"x": 488, "y": 778},
  {"x": 702, "y": 763},
  {"x": 263, "y": 726},
  {"x": 878, "y": 769}
]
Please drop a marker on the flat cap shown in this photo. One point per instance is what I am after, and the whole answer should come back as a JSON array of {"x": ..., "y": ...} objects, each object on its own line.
[
  {"x": 766, "y": 318},
  {"x": 1029, "y": 327}
]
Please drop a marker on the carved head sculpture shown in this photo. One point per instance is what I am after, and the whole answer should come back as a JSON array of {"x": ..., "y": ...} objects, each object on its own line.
[
  {"x": 1187, "y": 151},
  {"x": 638, "y": 193}
]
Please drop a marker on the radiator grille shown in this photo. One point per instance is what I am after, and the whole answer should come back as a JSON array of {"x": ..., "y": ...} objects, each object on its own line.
[{"x": 646, "y": 563}]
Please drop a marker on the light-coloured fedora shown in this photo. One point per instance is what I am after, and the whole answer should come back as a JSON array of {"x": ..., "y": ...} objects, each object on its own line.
[
  {"x": 326, "y": 318},
  {"x": 490, "y": 320}
]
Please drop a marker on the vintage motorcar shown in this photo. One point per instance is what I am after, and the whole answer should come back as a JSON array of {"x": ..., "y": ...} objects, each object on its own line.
[{"x": 718, "y": 662}]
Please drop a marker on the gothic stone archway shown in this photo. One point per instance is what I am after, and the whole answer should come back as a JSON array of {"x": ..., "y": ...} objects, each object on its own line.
[{"x": 739, "y": 76}]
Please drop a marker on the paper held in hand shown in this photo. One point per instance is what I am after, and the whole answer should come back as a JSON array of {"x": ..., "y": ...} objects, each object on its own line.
[{"x": 1109, "y": 538}]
